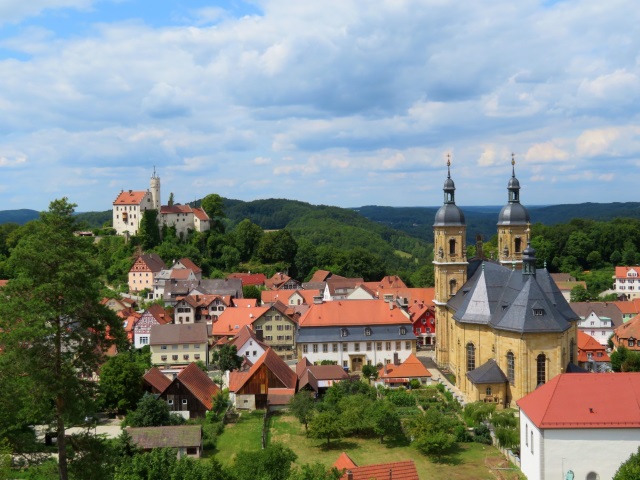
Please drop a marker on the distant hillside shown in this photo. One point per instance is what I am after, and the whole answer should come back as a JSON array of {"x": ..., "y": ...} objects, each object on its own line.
[{"x": 18, "y": 216}]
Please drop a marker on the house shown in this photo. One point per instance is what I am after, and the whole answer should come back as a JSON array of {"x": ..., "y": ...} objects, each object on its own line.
[
  {"x": 592, "y": 355},
  {"x": 186, "y": 439},
  {"x": 186, "y": 264},
  {"x": 629, "y": 309},
  {"x": 318, "y": 377},
  {"x": 154, "y": 381},
  {"x": 398, "y": 374},
  {"x": 627, "y": 283},
  {"x": 598, "y": 319},
  {"x": 317, "y": 281},
  {"x": 566, "y": 283},
  {"x": 586, "y": 424},
  {"x": 174, "y": 346},
  {"x": 154, "y": 315},
  {"x": 278, "y": 330},
  {"x": 404, "y": 470},
  {"x": 116, "y": 304},
  {"x": 423, "y": 318},
  {"x": 354, "y": 333},
  {"x": 191, "y": 392},
  {"x": 269, "y": 383},
  {"x": 232, "y": 320},
  {"x": 289, "y": 297},
  {"x": 244, "y": 302},
  {"x": 361, "y": 292},
  {"x": 339, "y": 288},
  {"x": 503, "y": 310},
  {"x": 128, "y": 209},
  {"x": 183, "y": 270},
  {"x": 129, "y": 318},
  {"x": 281, "y": 281},
  {"x": 201, "y": 308},
  {"x": 173, "y": 288},
  {"x": 250, "y": 279},
  {"x": 143, "y": 271},
  {"x": 248, "y": 345},
  {"x": 627, "y": 335}
]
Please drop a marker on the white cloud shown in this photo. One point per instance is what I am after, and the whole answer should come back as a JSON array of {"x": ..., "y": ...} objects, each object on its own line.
[{"x": 16, "y": 10}]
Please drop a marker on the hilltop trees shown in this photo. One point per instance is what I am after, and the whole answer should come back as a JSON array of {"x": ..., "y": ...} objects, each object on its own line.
[{"x": 54, "y": 327}]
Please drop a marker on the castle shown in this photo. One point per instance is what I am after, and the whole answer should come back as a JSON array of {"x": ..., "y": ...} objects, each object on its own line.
[
  {"x": 130, "y": 206},
  {"x": 504, "y": 327}
]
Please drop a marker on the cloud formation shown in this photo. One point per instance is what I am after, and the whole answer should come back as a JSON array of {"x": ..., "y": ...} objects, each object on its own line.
[{"x": 340, "y": 102}]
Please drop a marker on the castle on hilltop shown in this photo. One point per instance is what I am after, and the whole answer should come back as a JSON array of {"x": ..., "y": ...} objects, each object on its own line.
[
  {"x": 130, "y": 206},
  {"x": 504, "y": 327}
]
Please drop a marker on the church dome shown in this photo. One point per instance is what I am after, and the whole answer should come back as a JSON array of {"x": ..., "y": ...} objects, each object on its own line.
[
  {"x": 449, "y": 214},
  {"x": 513, "y": 214}
]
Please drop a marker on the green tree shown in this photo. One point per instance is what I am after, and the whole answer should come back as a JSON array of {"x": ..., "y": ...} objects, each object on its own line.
[
  {"x": 385, "y": 418},
  {"x": 355, "y": 414},
  {"x": 436, "y": 444},
  {"x": 630, "y": 469},
  {"x": 303, "y": 406},
  {"x": 251, "y": 291},
  {"x": 149, "y": 232},
  {"x": 57, "y": 340},
  {"x": 370, "y": 372},
  {"x": 618, "y": 357},
  {"x": 278, "y": 246},
  {"x": 229, "y": 258},
  {"x": 579, "y": 294},
  {"x": 271, "y": 463},
  {"x": 315, "y": 471},
  {"x": 152, "y": 412},
  {"x": 214, "y": 206},
  {"x": 246, "y": 238},
  {"x": 326, "y": 425},
  {"x": 120, "y": 386},
  {"x": 171, "y": 201},
  {"x": 226, "y": 358}
]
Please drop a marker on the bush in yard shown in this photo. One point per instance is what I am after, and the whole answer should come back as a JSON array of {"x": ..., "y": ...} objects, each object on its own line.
[
  {"x": 401, "y": 398},
  {"x": 481, "y": 434},
  {"x": 436, "y": 444}
]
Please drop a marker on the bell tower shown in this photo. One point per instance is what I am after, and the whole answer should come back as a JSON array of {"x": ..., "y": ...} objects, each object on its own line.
[
  {"x": 513, "y": 224},
  {"x": 449, "y": 263},
  {"x": 155, "y": 191}
]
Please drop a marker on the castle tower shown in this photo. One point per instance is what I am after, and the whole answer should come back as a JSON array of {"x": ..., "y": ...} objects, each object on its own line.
[
  {"x": 513, "y": 224},
  {"x": 449, "y": 263},
  {"x": 155, "y": 191}
]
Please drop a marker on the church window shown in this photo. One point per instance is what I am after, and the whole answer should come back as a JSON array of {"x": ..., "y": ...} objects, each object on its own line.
[
  {"x": 471, "y": 357},
  {"x": 593, "y": 476},
  {"x": 452, "y": 247},
  {"x": 541, "y": 376},
  {"x": 511, "y": 367},
  {"x": 571, "y": 348},
  {"x": 452, "y": 287},
  {"x": 518, "y": 245}
]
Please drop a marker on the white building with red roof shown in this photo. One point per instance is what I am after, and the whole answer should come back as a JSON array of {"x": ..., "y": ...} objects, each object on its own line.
[
  {"x": 587, "y": 424},
  {"x": 627, "y": 282}
]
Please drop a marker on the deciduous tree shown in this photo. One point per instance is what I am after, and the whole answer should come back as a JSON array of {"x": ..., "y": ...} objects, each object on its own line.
[
  {"x": 629, "y": 470},
  {"x": 226, "y": 358},
  {"x": 152, "y": 412},
  {"x": 326, "y": 425},
  {"x": 302, "y": 406}
]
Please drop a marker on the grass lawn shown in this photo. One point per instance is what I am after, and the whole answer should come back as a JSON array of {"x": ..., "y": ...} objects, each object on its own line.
[
  {"x": 471, "y": 461},
  {"x": 246, "y": 434}
]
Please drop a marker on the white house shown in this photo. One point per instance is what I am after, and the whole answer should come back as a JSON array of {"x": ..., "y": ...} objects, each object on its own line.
[
  {"x": 586, "y": 424},
  {"x": 627, "y": 282},
  {"x": 598, "y": 319}
]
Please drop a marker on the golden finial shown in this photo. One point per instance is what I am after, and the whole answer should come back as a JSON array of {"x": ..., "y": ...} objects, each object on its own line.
[{"x": 513, "y": 164}]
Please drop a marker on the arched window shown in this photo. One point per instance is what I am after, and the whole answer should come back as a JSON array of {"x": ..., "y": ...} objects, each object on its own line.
[
  {"x": 541, "y": 376},
  {"x": 471, "y": 357},
  {"x": 593, "y": 476},
  {"x": 452, "y": 287},
  {"x": 518, "y": 245},
  {"x": 452, "y": 247},
  {"x": 571, "y": 348},
  {"x": 511, "y": 367}
]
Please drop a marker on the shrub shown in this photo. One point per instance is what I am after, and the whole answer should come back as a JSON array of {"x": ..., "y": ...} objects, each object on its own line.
[{"x": 482, "y": 434}]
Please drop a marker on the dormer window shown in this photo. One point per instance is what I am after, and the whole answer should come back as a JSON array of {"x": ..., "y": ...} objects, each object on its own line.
[
  {"x": 367, "y": 332},
  {"x": 344, "y": 332},
  {"x": 504, "y": 307},
  {"x": 632, "y": 341},
  {"x": 538, "y": 312},
  {"x": 403, "y": 330}
]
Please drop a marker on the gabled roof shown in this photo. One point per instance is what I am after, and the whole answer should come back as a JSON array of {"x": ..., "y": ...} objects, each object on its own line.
[
  {"x": 159, "y": 313},
  {"x": 156, "y": 379},
  {"x": 199, "y": 384},
  {"x": 419, "y": 310},
  {"x": 489, "y": 372},
  {"x": 249, "y": 278},
  {"x": 175, "y": 436},
  {"x": 244, "y": 335},
  {"x": 271, "y": 296},
  {"x": 628, "y": 330},
  {"x": 320, "y": 276},
  {"x": 623, "y": 272},
  {"x": 187, "y": 264},
  {"x": 309, "y": 374},
  {"x": 152, "y": 261},
  {"x": 273, "y": 363},
  {"x": 336, "y": 282},
  {"x": 233, "y": 319},
  {"x": 276, "y": 281},
  {"x": 171, "y": 334},
  {"x": 353, "y": 312},
  {"x": 587, "y": 342},
  {"x": 244, "y": 302},
  {"x": 390, "y": 281},
  {"x": 628, "y": 307},
  {"x": 600, "y": 309},
  {"x": 344, "y": 461},
  {"x": 201, "y": 214},
  {"x": 405, "y": 470},
  {"x": 410, "y": 368},
  {"x": 176, "y": 208},
  {"x": 130, "y": 197},
  {"x": 595, "y": 400}
]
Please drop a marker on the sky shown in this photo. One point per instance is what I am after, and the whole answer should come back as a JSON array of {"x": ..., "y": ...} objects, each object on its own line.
[{"x": 335, "y": 102}]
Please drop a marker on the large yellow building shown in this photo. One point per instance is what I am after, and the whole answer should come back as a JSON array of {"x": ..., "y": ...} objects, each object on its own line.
[{"x": 503, "y": 326}]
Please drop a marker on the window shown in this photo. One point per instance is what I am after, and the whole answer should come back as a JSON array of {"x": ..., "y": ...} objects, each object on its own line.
[
  {"x": 345, "y": 346},
  {"x": 287, "y": 327},
  {"x": 471, "y": 357},
  {"x": 379, "y": 346},
  {"x": 144, "y": 340},
  {"x": 407, "y": 345},
  {"x": 532, "y": 441},
  {"x": 526, "y": 435},
  {"x": 315, "y": 348},
  {"x": 367, "y": 332},
  {"x": 541, "y": 376},
  {"x": 452, "y": 247},
  {"x": 280, "y": 327},
  {"x": 169, "y": 402},
  {"x": 452, "y": 287},
  {"x": 398, "y": 346},
  {"x": 356, "y": 346},
  {"x": 305, "y": 348},
  {"x": 488, "y": 391},
  {"x": 345, "y": 363},
  {"x": 267, "y": 328},
  {"x": 197, "y": 356},
  {"x": 280, "y": 337},
  {"x": 335, "y": 347},
  {"x": 174, "y": 357},
  {"x": 343, "y": 332},
  {"x": 325, "y": 348},
  {"x": 268, "y": 337},
  {"x": 278, "y": 317},
  {"x": 368, "y": 346},
  {"x": 163, "y": 347},
  {"x": 185, "y": 347},
  {"x": 174, "y": 347},
  {"x": 287, "y": 337},
  {"x": 511, "y": 367},
  {"x": 403, "y": 330},
  {"x": 163, "y": 357},
  {"x": 518, "y": 245},
  {"x": 184, "y": 401},
  {"x": 185, "y": 357},
  {"x": 632, "y": 342},
  {"x": 538, "y": 312},
  {"x": 246, "y": 354}
]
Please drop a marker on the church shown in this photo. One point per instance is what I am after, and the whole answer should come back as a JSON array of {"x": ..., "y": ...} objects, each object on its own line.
[{"x": 504, "y": 327}]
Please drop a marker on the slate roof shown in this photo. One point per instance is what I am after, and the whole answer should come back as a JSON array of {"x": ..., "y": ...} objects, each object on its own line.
[
  {"x": 601, "y": 309},
  {"x": 156, "y": 379},
  {"x": 175, "y": 436},
  {"x": 594, "y": 400},
  {"x": 489, "y": 372},
  {"x": 507, "y": 299}
]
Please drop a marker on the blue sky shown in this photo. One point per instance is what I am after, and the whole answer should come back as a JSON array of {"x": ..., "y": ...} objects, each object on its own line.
[{"x": 337, "y": 102}]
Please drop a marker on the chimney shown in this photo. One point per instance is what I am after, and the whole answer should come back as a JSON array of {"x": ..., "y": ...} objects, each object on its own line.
[
  {"x": 390, "y": 474},
  {"x": 396, "y": 359},
  {"x": 349, "y": 475},
  {"x": 390, "y": 305},
  {"x": 230, "y": 327}
]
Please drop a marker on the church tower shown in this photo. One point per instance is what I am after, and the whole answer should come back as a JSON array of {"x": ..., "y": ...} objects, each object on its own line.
[
  {"x": 449, "y": 263},
  {"x": 155, "y": 191},
  {"x": 513, "y": 224}
]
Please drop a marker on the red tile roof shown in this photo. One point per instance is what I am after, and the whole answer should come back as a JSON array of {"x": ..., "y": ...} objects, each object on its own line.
[
  {"x": 621, "y": 272},
  {"x": 199, "y": 384},
  {"x": 244, "y": 335},
  {"x": 189, "y": 265},
  {"x": 159, "y": 313},
  {"x": 624, "y": 332},
  {"x": 244, "y": 302},
  {"x": 320, "y": 276},
  {"x": 384, "y": 471},
  {"x": 627, "y": 307},
  {"x": 275, "y": 365},
  {"x": 249, "y": 278},
  {"x": 201, "y": 214},
  {"x": 353, "y": 312},
  {"x": 130, "y": 197},
  {"x": 177, "y": 208},
  {"x": 410, "y": 368},
  {"x": 344, "y": 461},
  {"x": 233, "y": 319},
  {"x": 588, "y": 344},
  {"x": 156, "y": 379},
  {"x": 390, "y": 281},
  {"x": 585, "y": 400},
  {"x": 271, "y": 296}
]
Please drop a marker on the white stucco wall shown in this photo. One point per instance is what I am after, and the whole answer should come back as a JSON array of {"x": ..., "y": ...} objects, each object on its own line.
[
  {"x": 374, "y": 356},
  {"x": 581, "y": 450}
]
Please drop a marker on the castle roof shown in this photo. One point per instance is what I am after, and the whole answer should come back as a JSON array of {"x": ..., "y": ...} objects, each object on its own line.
[{"x": 130, "y": 197}]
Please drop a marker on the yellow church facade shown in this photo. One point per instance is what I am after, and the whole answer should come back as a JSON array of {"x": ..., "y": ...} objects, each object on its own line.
[{"x": 503, "y": 326}]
